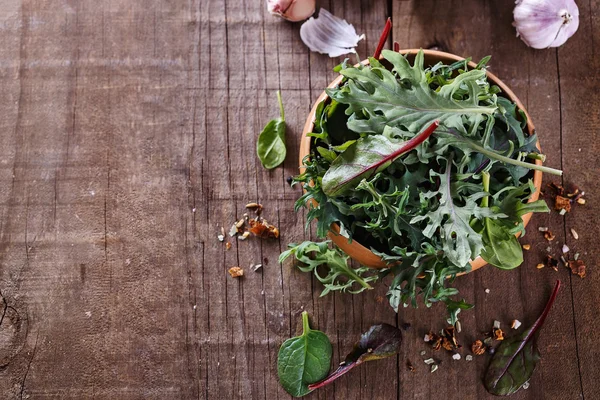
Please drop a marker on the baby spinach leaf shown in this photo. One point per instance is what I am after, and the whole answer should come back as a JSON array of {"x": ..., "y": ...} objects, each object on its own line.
[
  {"x": 501, "y": 247},
  {"x": 270, "y": 146},
  {"x": 380, "y": 341},
  {"x": 365, "y": 158},
  {"x": 516, "y": 358},
  {"x": 303, "y": 360}
]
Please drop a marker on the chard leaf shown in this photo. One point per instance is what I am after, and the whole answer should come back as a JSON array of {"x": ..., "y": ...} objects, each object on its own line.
[
  {"x": 366, "y": 157},
  {"x": 516, "y": 358},
  {"x": 380, "y": 341},
  {"x": 385, "y": 100},
  {"x": 303, "y": 360},
  {"x": 270, "y": 146}
]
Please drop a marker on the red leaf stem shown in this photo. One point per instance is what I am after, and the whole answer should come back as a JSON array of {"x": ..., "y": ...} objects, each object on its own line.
[{"x": 383, "y": 38}]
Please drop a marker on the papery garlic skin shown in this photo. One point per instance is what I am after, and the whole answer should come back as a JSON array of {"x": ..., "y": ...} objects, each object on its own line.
[
  {"x": 328, "y": 34},
  {"x": 545, "y": 23},
  {"x": 292, "y": 10}
]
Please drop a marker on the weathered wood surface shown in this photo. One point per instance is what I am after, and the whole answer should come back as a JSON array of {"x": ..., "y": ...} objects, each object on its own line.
[{"x": 127, "y": 140}]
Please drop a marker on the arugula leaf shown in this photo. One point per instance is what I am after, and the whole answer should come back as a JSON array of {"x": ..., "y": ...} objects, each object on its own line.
[
  {"x": 460, "y": 241},
  {"x": 270, "y": 146},
  {"x": 380, "y": 341},
  {"x": 454, "y": 308},
  {"x": 376, "y": 93},
  {"x": 516, "y": 358},
  {"x": 365, "y": 158},
  {"x": 303, "y": 360},
  {"x": 451, "y": 137},
  {"x": 312, "y": 255}
]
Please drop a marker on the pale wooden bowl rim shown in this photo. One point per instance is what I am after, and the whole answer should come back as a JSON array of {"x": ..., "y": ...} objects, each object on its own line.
[{"x": 354, "y": 249}]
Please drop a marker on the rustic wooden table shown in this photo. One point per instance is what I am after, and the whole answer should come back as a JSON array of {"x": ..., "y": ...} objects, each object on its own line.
[{"x": 127, "y": 140}]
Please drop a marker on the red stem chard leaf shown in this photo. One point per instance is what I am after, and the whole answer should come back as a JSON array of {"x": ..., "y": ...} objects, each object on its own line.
[
  {"x": 516, "y": 357},
  {"x": 383, "y": 38},
  {"x": 380, "y": 341},
  {"x": 303, "y": 360},
  {"x": 365, "y": 158}
]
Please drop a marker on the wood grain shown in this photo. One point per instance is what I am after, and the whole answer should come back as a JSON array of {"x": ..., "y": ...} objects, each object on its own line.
[{"x": 128, "y": 141}]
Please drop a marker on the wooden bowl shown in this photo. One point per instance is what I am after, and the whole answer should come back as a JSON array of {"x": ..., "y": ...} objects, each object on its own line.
[{"x": 354, "y": 249}]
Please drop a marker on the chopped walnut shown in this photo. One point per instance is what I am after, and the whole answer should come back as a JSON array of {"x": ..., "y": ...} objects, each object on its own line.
[
  {"x": 236, "y": 272},
  {"x": 549, "y": 236},
  {"x": 577, "y": 268},
  {"x": 446, "y": 344},
  {"x": 263, "y": 229},
  {"x": 409, "y": 366},
  {"x": 498, "y": 334},
  {"x": 562, "y": 203},
  {"x": 227, "y": 245},
  {"x": 526, "y": 247},
  {"x": 478, "y": 348},
  {"x": 437, "y": 343}
]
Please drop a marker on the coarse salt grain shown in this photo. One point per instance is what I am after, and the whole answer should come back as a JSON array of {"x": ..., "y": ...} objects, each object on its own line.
[
  {"x": 487, "y": 290},
  {"x": 565, "y": 248},
  {"x": 516, "y": 324},
  {"x": 456, "y": 356},
  {"x": 575, "y": 234},
  {"x": 469, "y": 357}
]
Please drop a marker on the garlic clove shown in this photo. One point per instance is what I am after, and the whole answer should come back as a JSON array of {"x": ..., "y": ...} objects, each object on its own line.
[
  {"x": 328, "y": 34},
  {"x": 545, "y": 23},
  {"x": 292, "y": 10}
]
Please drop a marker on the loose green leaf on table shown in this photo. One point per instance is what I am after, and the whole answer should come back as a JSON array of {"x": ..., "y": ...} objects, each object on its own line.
[
  {"x": 312, "y": 255},
  {"x": 454, "y": 307},
  {"x": 380, "y": 341},
  {"x": 270, "y": 146},
  {"x": 365, "y": 158},
  {"x": 516, "y": 358},
  {"x": 303, "y": 360}
]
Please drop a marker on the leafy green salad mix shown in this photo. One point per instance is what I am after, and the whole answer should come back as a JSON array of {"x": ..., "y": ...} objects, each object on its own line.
[{"x": 429, "y": 166}]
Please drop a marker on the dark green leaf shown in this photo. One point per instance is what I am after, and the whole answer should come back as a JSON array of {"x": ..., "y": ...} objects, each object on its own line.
[
  {"x": 516, "y": 358},
  {"x": 303, "y": 360},
  {"x": 380, "y": 341},
  {"x": 270, "y": 146},
  {"x": 501, "y": 247}
]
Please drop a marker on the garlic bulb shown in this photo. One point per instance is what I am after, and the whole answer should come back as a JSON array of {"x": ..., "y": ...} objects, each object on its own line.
[
  {"x": 328, "y": 34},
  {"x": 292, "y": 10},
  {"x": 545, "y": 23}
]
